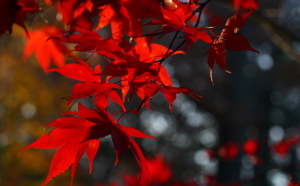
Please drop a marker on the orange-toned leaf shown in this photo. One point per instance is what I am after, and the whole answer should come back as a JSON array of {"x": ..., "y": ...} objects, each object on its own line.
[{"x": 46, "y": 50}]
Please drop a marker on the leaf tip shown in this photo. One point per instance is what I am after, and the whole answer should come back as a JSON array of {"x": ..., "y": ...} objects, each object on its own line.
[
  {"x": 25, "y": 148},
  {"x": 21, "y": 151},
  {"x": 211, "y": 77},
  {"x": 228, "y": 71},
  {"x": 117, "y": 158},
  {"x": 171, "y": 107}
]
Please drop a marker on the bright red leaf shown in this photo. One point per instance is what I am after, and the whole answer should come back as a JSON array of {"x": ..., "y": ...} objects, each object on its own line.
[
  {"x": 90, "y": 41},
  {"x": 70, "y": 136},
  {"x": 75, "y": 136},
  {"x": 45, "y": 49},
  {"x": 132, "y": 12},
  {"x": 91, "y": 84},
  {"x": 150, "y": 52},
  {"x": 141, "y": 74},
  {"x": 79, "y": 13}
]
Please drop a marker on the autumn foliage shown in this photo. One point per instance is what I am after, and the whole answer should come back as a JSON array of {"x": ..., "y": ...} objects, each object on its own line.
[{"x": 135, "y": 68}]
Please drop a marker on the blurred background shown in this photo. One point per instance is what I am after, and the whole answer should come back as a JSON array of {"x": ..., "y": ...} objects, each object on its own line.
[{"x": 232, "y": 136}]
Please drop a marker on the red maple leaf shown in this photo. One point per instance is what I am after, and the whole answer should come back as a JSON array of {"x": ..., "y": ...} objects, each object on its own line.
[
  {"x": 70, "y": 137},
  {"x": 144, "y": 78},
  {"x": 79, "y": 13},
  {"x": 177, "y": 19},
  {"x": 150, "y": 52},
  {"x": 91, "y": 84},
  {"x": 14, "y": 11},
  {"x": 90, "y": 41},
  {"x": 123, "y": 15},
  {"x": 229, "y": 40},
  {"x": 75, "y": 136},
  {"x": 107, "y": 16},
  {"x": 149, "y": 89},
  {"x": 130, "y": 13},
  {"x": 136, "y": 65},
  {"x": 46, "y": 50}
]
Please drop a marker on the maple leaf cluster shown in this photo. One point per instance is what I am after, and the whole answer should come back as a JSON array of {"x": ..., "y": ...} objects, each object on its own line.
[{"x": 135, "y": 66}]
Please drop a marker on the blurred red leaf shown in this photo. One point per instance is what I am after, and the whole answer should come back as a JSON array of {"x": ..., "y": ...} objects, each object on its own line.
[
  {"x": 245, "y": 4},
  {"x": 282, "y": 147},
  {"x": 251, "y": 146},
  {"x": 229, "y": 150},
  {"x": 292, "y": 183},
  {"x": 159, "y": 171},
  {"x": 46, "y": 50}
]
